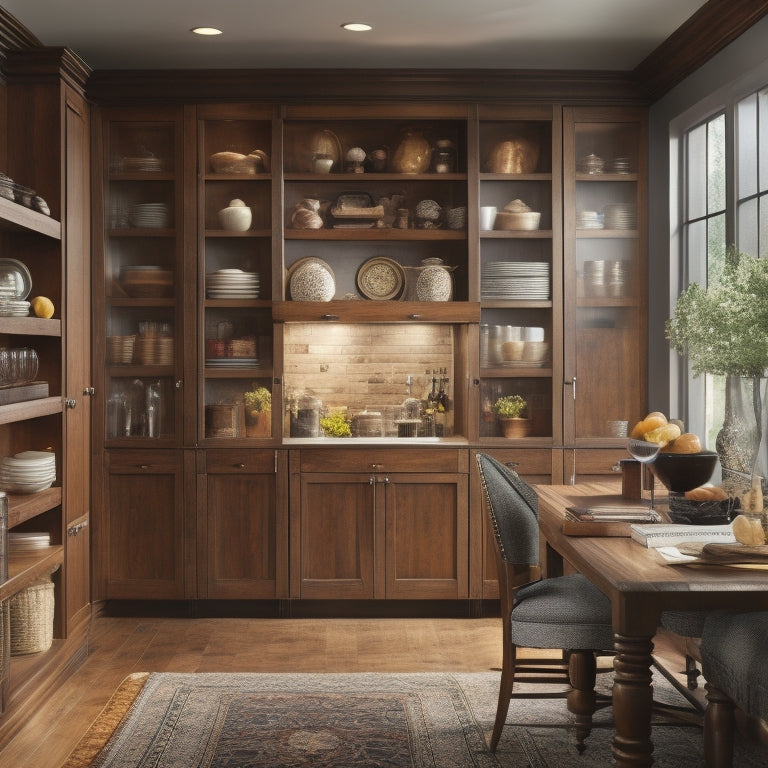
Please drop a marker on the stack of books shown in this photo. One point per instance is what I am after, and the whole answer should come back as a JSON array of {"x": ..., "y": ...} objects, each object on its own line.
[{"x": 614, "y": 520}]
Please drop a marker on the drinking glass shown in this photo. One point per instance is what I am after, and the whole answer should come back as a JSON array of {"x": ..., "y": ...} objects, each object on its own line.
[{"x": 645, "y": 453}]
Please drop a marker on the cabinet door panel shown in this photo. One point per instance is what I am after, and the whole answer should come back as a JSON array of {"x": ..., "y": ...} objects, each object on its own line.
[
  {"x": 426, "y": 541},
  {"x": 337, "y": 518},
  {"x": 241, "y": 535},
  {"x": 145, "y": 533}
]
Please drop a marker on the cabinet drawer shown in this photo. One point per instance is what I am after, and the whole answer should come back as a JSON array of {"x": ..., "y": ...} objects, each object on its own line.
[
  {"x": 533, "y": 464},
  {"x": 369, "y": 459},
  {"x": 228, "y": 462},
  {"x": 126, "y": 462},
  {"x": 592, "y": 462}
]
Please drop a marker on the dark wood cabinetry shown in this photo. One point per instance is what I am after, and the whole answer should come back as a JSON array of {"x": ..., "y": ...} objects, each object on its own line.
[
  {"x": 373, "y": 516},
  {"x": 48, "y": 149},
  {"x": 365, "y": 525},
  {"x": 242, "y": 538}
]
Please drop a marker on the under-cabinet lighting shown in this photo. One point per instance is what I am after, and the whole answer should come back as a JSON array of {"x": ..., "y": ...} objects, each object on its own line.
[
  {"x": 357, "y": 26},
  {"x": 206, "y": 31}
]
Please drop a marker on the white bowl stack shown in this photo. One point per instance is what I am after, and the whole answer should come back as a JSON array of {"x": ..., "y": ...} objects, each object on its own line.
[{"x": 28, "y": 472}]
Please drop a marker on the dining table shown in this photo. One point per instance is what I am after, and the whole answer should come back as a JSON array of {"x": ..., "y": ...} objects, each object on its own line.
[{"x": 641, "y": 585}]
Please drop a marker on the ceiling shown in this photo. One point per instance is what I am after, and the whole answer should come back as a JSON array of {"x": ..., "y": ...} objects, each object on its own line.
[{"x": 433, "y": 34}]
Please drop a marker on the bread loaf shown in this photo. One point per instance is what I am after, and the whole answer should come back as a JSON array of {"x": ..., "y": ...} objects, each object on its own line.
[{"x": 706, "y": 493}]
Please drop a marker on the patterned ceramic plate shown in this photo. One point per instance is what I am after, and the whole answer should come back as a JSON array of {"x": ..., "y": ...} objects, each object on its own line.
[
  {"x": 380, "y": 279},
  {"x": 434, "y": 284},
  {"x": 311, "y": 279}
]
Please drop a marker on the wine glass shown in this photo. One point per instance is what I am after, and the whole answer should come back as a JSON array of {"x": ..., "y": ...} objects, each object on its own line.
[{"x": 645, "y": 453}]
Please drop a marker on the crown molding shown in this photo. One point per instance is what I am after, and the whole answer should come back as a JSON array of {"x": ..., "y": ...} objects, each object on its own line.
[
  {"x": 715, "y": 25},
  {"x": 287, "y": 86}
]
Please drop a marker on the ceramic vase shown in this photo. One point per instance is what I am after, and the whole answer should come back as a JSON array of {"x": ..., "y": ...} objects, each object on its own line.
[{"x": 515, "y": 428}]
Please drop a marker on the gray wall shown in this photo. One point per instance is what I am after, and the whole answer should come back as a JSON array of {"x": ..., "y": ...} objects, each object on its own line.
[{"x": 738, "y": 69}]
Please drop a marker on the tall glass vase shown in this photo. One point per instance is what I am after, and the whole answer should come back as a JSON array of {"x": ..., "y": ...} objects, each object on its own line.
[{"x": 738, "y": 440}]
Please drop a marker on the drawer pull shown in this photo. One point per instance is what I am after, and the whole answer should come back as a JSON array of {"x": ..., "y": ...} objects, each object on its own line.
[
  {"x": 239, "y": 466},
  {"x": 414, "y": 316},
  {"x": 143, "y": 466},
  {"x": 329, "y": 317}
]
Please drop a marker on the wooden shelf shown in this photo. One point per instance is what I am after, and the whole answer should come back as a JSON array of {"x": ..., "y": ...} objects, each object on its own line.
[
  {"x": 237, "y": 177},
  {"x": 30, "y": 326},
  {"x": 524, "y": 234},
  {"x": 516, "y": 372},
  {"x": 229, "y": 233},
  {"x": 588, "y": 234},
  {"x": 375, "y": 234},
  {"x": 141, "y": 232},
  {"x": 23, "y": 507},
  {"x": 256, "y": 371},
  {"x": 515, "y": 176},
  {"x": 18, "y": 218},
  {"x": 119, "y": 301},
  {"x": 143, "y": 176},
  {"x": 377, "y": 311},
  {"x": 606, "y": 177},
  {"x": 358, "y": 179},
  {"x": 238, "y": 303},
  {"x": 25, "y": 568},
  {"x": 30, "y": 409},
  {"x": 516, "y": 304},
  {"x": 143, "y": 371}
]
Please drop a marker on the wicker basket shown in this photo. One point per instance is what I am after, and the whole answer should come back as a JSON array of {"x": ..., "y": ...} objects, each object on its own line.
[{"x": 32, "y": 618}]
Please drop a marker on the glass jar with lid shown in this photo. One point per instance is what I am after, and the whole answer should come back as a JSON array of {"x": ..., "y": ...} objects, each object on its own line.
[{"x": 444, "y": 156}]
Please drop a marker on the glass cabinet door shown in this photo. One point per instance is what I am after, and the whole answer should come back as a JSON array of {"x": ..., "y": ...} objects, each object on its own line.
[
  {"x": 605, "y": 274},
  {"x": 235, "y": 272},
  {"x": 143, "y": 274},
  {"x": 520, "y": 237}
]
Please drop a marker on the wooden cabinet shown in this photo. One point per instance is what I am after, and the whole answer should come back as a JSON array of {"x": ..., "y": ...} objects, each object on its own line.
[
  {"x": 145, "y": 548},
  {"x": 520, "y": 267},
  {"x": 47, "y": 149},
  {"x": 605, "y": 285},
  {"x": 242, "y": 535},
  {"x": 234, "y": 177},
  {"x": 367, "y": 526}
]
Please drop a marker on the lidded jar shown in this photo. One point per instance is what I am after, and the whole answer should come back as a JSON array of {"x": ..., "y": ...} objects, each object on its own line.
[{"x": 444, "y": 156}]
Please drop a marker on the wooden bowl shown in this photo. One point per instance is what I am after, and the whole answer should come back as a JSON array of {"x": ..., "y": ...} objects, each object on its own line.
[{"x": 506, "y": 220}]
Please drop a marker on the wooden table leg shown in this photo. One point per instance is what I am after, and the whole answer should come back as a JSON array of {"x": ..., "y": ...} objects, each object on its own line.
[{"x": 632, "y": 702}]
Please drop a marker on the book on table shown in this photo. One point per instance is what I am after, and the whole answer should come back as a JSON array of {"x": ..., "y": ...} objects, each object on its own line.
[{"x": 672, "y": 534}]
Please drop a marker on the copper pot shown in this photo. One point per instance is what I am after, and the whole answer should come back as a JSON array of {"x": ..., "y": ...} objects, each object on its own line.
[{"x": 516, "y": 155}]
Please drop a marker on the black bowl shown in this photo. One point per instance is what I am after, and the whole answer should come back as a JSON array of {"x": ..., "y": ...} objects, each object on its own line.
[{"x": 683, "y": 472}]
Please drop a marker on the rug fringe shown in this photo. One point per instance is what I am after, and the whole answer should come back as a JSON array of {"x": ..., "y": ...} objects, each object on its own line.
[{"x": 107, "y": 722}]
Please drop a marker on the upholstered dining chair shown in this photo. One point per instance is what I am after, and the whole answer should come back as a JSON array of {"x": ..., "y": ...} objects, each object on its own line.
[
  {"x": 734, "y": 662},
  {"x": 563, "y": 612}
]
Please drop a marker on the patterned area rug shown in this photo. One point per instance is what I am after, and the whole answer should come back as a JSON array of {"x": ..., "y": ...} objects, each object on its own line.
[{"x": 424, "y": 720}]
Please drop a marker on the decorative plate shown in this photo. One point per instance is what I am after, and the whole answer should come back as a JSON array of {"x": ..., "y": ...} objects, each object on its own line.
[
  {"x": 380, "y": 279},
  {"x": 434, "y": 284},
  {"x": 15, "y": 279},
  {"x": 311, "y": 279}
]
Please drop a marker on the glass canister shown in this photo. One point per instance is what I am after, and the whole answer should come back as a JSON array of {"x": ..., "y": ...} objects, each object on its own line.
[
  {"x": 306, "y": 422},
  {"x": 444, "y": 156}
]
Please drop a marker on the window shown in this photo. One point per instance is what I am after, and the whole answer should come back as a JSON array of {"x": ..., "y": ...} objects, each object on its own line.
[{"x": 724, "y": 173}]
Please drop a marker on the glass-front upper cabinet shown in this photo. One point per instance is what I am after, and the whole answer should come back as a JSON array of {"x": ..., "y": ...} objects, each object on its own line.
[
  {"x": 142, "y": 272},
  {"x": 520, "y": 270},
  {"x": 234, "y": 231},
  {"x": 606, "y": 284}
]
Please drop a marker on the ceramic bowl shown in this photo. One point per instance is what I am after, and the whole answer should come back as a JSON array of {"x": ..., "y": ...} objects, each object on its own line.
[
  {"x": 681, "y": 472},
  {"x": 507, "y": 220},
  {"x": 236, "y": 218}
]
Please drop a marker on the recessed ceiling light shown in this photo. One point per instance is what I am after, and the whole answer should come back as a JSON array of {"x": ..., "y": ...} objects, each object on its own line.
[
  {"x": 206, "y": 31},
  {"x": 357, "y": 26}
]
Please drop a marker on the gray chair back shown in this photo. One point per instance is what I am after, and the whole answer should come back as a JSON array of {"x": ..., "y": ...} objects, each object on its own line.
[{"x": 513, "y": 508}]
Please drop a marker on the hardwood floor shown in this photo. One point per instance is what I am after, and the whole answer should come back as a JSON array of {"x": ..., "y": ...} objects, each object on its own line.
[{"x": 120, "y": 646}]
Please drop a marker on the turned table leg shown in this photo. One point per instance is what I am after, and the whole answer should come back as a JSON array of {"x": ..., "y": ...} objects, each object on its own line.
[{"x": 632, "y": 702}]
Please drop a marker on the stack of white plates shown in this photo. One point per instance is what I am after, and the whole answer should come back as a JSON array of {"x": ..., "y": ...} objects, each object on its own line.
[
  {"x": 13, "y": 307},
  {"x": 143, "y": 164},
  {"x": 516, "y": 280},
  {"x": 232, "y": 284},
  {"x": 28, "y": 540},
  {"x": 149, "y": 215},
  {"x": 588, "y": 220},
  {"x": 28, "y": 472},
  {"x": 621, "y": 216}
]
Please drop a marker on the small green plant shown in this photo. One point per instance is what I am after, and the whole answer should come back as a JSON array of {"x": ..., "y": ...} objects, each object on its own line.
[
  {"x": 335, "y": 424},
  {"x": 510, "y": 406},
  {"x": 258, "y": 399}
]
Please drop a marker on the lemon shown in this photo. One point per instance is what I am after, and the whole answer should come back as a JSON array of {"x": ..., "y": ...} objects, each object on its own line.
[{"x": 42, "y": 306}]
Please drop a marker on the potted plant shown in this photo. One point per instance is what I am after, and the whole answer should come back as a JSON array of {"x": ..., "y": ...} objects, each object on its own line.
[
  {"x": 723, "y": 330},
  {"x": 258, "y": 412},
  {"x": 335, "y": 424},
  {"x": 510, "y": 410}
]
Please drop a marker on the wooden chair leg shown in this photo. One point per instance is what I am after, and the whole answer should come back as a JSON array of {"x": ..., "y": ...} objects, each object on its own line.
[
  {"x": 508, "y": 662},
  {"x": 718, "y": 729},
  {"x": 691, "y": 672},
  {"x": 582, "y": 699}
]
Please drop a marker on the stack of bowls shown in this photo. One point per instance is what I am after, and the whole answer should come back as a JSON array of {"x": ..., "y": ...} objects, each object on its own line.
[
  {"x": 606, "y": 278},
  {"x": 18, "y": 366},
  {"x": 28, "y": 472}
]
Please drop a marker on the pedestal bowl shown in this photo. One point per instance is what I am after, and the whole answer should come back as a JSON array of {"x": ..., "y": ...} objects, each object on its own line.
[{"x": 681, "y": 472}]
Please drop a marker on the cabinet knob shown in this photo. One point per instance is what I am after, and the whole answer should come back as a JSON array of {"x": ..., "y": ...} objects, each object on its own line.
[
  {"x": 414, "y": 316},
  {"x": 143, "y": 466},
  {"x": 70, "y": 403},
  {"x": 329, "y": 317},
  {"x": 75, "y": 529},
  {"x": 89, "y": 391},
  {"x": 239, "y": 466},
  {"x": 178, "y": 383}
]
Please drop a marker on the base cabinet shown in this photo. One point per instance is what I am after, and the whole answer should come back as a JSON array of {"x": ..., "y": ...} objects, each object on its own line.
[
  {"x": 143, "y": 540},
  {"x": 362, "y": 527},
  {"x": 242, "y": 536}
]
